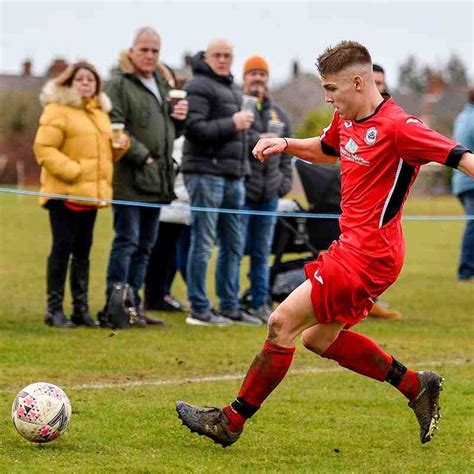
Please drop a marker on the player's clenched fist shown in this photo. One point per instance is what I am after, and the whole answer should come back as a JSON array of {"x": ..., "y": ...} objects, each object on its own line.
[{"x": 266, "y": 147}]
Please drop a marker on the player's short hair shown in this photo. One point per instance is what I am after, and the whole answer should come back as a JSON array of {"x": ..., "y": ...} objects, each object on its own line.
[
  {"x": 339, "y": 57},
  {"x": 378, "y": 68}
]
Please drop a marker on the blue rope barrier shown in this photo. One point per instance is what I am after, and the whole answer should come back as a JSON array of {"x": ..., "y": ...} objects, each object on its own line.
[{"x": 307, "y": 215}]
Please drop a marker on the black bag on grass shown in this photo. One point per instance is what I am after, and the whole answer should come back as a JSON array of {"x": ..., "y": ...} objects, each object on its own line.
[
  {"x": 120, "y": 312},
  {"x": 286, "y": 276}
]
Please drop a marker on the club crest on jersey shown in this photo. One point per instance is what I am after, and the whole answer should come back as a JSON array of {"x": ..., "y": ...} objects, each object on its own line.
[
  {"x": 351, "y": 146},
  {"x": 370, "y": 136}
]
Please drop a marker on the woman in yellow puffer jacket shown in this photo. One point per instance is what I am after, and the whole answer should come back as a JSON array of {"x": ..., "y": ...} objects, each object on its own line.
[{"x": 73, "y": 146}]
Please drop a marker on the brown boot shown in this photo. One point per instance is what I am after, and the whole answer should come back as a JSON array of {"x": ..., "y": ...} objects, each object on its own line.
[{"x": 379, "y": 312}]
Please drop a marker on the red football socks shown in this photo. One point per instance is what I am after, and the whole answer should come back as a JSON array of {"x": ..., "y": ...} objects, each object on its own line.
[
  {"x": 236, "y": 420},
  {"x": 361, "y": 354},
  {"x": 409, "y": 385},
  {"x": 266, "y": 372},
  {"x": 351, "y": 350}
]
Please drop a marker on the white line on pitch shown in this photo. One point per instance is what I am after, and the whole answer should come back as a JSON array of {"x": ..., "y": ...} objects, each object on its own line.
[{"x": 220, "y": 378}]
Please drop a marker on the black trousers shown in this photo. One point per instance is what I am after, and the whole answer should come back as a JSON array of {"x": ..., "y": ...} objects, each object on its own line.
[
  {"x": 162, "y": 264},
  {"x": 72, "y": 231}
]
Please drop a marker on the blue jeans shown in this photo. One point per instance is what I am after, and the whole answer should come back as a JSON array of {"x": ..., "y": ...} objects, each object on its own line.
[
  {"x": 259, "y": 231},
  {"x": 215, "y": 192},
  {"x": 466, "y": 261},
  {"x": 136, "y": 230}
]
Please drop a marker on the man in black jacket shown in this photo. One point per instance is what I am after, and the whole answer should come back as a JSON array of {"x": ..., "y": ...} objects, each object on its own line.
[
  {"x": 214, "y": 166},
  {"x": 268, "y": 181}
]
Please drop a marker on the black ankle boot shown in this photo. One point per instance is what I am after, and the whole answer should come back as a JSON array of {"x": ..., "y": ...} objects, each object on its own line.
[
  {"x": 84, "y": 319},
  {"x": 55, "y": 278},
  {"x": 79, "y": 280},
  {"x": 58, "y": 319}
]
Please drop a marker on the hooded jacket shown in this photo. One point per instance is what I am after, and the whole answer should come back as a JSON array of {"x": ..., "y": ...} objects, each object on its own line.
[
  {"x": 213, "y": 145},
  {"x": 273, "y": 177},
  {"x": 151, "y": 130},
  {"x": 73, "y": 145}
]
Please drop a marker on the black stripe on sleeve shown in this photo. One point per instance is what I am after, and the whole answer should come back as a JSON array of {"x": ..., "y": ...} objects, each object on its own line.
[
  {"x": 328, "y": 150},
  {"x": 455, "y": 155},
  {"x": 399, "y": 192}
]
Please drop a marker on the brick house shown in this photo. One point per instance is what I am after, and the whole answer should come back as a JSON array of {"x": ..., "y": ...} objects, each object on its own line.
[{"x": 19, "y": 99}]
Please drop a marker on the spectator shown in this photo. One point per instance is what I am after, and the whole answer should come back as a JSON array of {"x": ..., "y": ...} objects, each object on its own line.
[
  {"x": 267, "y": 182},
  {"x": 73, "y": 148},
  {"x": 171, "y": 249},
  {"x": 379, "y": 78},
  {"x": 463, "y": 188},
  {"x": 146, "y": 173},
  {"x": 214, "y": 167}
]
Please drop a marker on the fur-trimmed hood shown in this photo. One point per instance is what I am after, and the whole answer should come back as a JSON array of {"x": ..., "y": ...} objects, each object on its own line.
[
  {"x": 128, "y": 67},
  {"x": 54, "y": 93}
]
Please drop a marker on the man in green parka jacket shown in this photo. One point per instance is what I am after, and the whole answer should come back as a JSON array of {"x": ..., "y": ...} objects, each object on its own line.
[{"x": 146, "y": 172}]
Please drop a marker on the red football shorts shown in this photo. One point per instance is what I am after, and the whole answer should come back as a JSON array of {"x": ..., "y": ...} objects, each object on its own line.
[{"x": 340, "y": 291}]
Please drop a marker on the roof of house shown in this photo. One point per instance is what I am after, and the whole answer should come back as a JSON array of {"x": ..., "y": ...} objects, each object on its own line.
[
  {"x": 300, "y": 95},
  {"x": 14, "y": 81}
]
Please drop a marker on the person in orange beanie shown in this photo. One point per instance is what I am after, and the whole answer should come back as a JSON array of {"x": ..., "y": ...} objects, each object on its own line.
[{"x": 267, "y": 182}]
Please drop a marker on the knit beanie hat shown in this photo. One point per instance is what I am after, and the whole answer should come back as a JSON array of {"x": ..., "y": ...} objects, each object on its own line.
[{"x": 255, "y": 62}]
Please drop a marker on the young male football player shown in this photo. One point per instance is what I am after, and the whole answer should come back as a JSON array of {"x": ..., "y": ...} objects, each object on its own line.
[{"x": 381, "y": 149}]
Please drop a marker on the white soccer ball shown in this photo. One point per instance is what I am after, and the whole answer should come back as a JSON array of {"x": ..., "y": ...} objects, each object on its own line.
[{"x": 41, "y": 412}]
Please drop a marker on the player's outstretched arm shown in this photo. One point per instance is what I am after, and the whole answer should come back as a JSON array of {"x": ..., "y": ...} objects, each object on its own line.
[
  {"x": 466, "y": 164},
  {"x": 308, "y": 149}
]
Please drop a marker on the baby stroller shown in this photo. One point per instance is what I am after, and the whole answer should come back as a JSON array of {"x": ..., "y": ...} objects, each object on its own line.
[
  {"x": 322, "y": 187},
  {"x": 304, "y": 235}
]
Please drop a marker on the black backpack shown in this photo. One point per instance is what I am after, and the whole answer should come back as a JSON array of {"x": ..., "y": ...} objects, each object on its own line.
[{"x": 120, "y": 312}]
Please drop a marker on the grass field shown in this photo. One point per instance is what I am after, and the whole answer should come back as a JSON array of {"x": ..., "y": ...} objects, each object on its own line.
[{"x": 321, "y": 419}]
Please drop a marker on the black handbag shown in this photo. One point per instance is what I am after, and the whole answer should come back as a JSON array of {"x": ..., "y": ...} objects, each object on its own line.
[{"x": 121, "y": 312}]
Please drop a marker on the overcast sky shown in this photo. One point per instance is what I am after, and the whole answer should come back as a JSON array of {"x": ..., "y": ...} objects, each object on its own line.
[{"x": 279, "y": 30}]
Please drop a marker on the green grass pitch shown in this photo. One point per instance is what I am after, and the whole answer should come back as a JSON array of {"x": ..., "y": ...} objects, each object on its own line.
[{"x": 321, "y": 419}]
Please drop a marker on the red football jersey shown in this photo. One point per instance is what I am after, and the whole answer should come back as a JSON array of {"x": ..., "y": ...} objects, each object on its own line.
[{"x": 380, "y": 157}]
